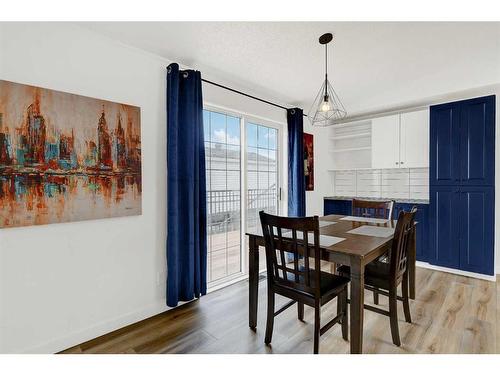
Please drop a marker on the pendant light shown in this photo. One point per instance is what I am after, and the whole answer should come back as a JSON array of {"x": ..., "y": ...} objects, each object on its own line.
[{"x": 327, "y": 108}]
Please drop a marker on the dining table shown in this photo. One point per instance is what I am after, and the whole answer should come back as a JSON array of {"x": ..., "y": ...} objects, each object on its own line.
[{"x": 347, "y": 240}]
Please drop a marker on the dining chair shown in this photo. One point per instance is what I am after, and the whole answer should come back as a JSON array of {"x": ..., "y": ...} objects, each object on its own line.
[
  {"x": 372, "y": 209},
  {"x": 386, "y": 277},
  {"x": 377, "y": 210},
  {"x": 301, "y": 279}
]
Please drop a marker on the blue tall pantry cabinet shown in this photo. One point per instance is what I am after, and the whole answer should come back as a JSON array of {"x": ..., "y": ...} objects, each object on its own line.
[{"x": 462, "y": 183}]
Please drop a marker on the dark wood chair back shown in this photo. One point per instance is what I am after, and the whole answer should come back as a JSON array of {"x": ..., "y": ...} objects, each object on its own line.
[
  {"x": 399, "y": 252},
  {"x": 372, "y": 209},
  {"x": 284, "y": 236}
]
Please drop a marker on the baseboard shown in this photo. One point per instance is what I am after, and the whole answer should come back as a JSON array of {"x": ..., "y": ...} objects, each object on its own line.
[
  {"x": 92, "y": 332},
  {"x": 75, "y": 338},
  {"x": 457, "y": 272}
]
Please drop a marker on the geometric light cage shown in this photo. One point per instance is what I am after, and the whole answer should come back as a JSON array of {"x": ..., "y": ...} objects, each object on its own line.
[{"x": 326, "y": 112}]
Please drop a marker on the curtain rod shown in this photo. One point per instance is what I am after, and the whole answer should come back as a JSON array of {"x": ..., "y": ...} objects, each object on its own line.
[{"x": 247, "y": 95}]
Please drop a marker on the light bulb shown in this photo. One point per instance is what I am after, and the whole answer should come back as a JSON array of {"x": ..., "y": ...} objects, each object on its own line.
[{"x": 325, "y": 107}]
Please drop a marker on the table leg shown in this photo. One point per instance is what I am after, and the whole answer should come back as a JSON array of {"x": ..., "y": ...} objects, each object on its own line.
[
  {"x": 412, "y": 261},
  {"x": 357, "y": 305},
  {"x": 253, "y": 280}
]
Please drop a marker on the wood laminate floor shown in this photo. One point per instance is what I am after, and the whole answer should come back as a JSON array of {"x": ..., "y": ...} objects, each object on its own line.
[{"x": 451, "y": 314}]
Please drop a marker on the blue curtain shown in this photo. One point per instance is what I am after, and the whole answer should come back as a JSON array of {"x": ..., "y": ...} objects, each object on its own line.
[
  {"x": 186, "y": 188},
  {"x": 296, "y": 180}
]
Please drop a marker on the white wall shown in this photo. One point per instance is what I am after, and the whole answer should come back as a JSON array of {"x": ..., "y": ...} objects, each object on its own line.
[
  {"x": 62, "y": 284},
  {"x": 323, "y": 183}
]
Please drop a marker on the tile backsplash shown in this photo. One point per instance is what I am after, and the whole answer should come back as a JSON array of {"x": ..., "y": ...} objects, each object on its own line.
[
  {"x": 345, "y": 183},
  {"x": 402, "y": 183}
]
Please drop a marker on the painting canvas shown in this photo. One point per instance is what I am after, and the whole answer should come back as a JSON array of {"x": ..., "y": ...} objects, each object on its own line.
[
  {"x": 309, "y": 161},
  {"x": 65, "y": 157}
]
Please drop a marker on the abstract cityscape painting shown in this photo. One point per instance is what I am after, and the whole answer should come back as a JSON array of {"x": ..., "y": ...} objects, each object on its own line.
[
  {"x": 309, "y": 161},
  {"x": 65, "y": 157}
]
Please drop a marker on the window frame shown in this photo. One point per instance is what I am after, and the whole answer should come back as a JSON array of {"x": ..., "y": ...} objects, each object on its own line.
[{"x": 281, "y": 129}]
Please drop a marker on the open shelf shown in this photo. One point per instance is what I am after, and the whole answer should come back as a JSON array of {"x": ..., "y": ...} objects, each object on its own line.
[
  {"x": 350, "y": 136},
  {"x": 350, "y": 149},
  {"x": 351, "y": 124},
  {"x": 350, "y": 145},
  {"x": 350, "y": 169}
]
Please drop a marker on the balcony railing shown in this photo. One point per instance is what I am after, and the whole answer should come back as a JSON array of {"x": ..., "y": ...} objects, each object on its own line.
[
  {"x": 224, "y": 206},
  {"x": 224, "y": 227}
]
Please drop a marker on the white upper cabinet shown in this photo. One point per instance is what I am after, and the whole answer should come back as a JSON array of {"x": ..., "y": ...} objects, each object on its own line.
[
  {"x": 385, "y": 142},
  {"x": 414, "y": 146},
  {"x": 401, "y": 141}
]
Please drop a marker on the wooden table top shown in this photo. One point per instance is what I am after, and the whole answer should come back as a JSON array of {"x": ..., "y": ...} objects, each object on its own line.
[{"x": 354, "y": 244}]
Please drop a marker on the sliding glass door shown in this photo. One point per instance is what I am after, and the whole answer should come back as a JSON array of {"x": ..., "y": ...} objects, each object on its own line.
[
  {"x": 262, "y": 172},
  {"x": 242, "y": 179},
  {"x": 262, "y": 192},
  {"x": 223, "y": 164}
]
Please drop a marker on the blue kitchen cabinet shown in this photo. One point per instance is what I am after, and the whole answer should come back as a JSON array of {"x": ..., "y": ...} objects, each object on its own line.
[
  {"x": 337, "y": 207},
  {"x": 444, "y": 168},
  {"x": 422, "y": 218},
  {"x": 477, "y": 142},
  {"x": 462, "y": 175},
  {"x": 477, "y": 229},
  {"x": 444, "y": 227}
]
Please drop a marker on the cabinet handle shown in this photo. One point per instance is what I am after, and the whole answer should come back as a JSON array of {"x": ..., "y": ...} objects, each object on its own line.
[
  {"x": 402, "y": 162},
  {"x": 397, "y": 163}
]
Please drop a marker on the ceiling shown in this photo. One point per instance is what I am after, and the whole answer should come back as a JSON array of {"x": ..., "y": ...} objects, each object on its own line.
[{"x": 372, "y": 65}]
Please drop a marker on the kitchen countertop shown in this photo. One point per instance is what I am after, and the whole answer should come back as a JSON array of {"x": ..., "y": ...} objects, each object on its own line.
[{"x": 397, "y": 200}]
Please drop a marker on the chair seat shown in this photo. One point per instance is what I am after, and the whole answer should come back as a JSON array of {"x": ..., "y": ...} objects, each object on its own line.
[
  {"x": 329, "y": 282},
  {"x": 377, "y": 274}
]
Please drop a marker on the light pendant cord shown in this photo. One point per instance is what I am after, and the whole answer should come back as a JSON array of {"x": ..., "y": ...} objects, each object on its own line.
[{"x": 326, "y": 70}]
